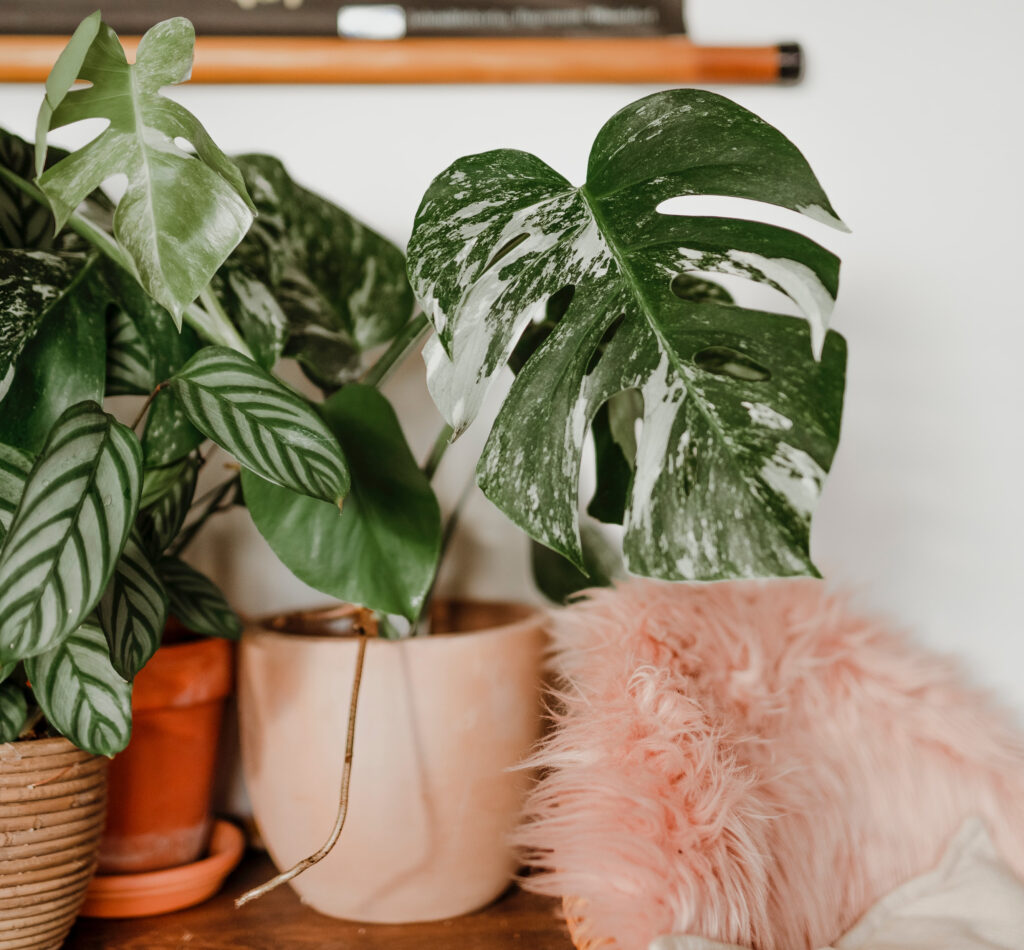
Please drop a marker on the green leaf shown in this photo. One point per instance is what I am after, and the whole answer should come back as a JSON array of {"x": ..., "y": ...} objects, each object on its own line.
[
  {"x": 81, "y": 694},
  {"x": 13, "y": 711},
  {"x": 160, "y": 522},
  {"x": 381, "y": 550},
  {"x": 559, "y": 580},
  {"x": 129, "y": 361},
  {"x": 341, "y": 286},
  {"x": 168, "y": 436},
  {"x": 259, "y": 316},
  {"x": 268, "y": 428},
  {"x": 15, "y": 467},
  {"x": 68, "y": 530},
  {"x": 182, "y": 213},
  {"x": 196, "y": 601},
  {"x": 157, "y": 481},
  {"x": 740, "y": 420},
  {"x": 133, "y": 610},
  {"x": 64, "y": 364},
  {"x": 26, "y": 223}
]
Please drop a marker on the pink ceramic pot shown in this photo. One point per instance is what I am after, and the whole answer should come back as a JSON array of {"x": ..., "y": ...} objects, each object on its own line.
[{"x": 442, "y": 720}]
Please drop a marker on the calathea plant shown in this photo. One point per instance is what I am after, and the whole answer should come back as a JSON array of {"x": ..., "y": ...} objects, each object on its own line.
[{"x": 143, "y": 298}]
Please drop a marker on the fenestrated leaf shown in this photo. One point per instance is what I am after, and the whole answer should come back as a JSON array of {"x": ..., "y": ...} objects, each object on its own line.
[
  {"x": 133, "y": 610},
  {"x": 160, "y": 522},
  {"x": 15, "y": 466},
  {"x": 181, "y": 214},
  {"x": 58, "y": 302},
  {"x": 341, "y": 285},
  {"x": 13, "y": 711},
  {"x": 740, "y": 421},
  {"x": 68, "y": 530},
  {"x": 381, "y": 550},
  {"x": 266, "y": 426},
  {"x": 196, "y": 601},
  {"x": 81, "y": 694}
]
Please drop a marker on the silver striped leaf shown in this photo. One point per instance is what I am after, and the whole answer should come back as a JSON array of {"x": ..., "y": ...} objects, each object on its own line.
[
  {"x": 80, "y": 692},
  {"x": 130, "y": 370},
  {"x": 13, "y": 711},
  {"x": 741, "y": 407},
  {"x": 133, "y": 610},
  {"x": 15, "y": 467},
  {"x": 156, "y": 481},
  {"x": 196, "y": 601},
  {"x": 182, "y": 213},
  {"x": 160, "y": 522},
  {"x": 73, "y": 519},
  {"x": 266, "y": 426}
]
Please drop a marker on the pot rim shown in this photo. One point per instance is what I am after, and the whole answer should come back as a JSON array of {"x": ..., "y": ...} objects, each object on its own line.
[{"x": 530, "y": 615}]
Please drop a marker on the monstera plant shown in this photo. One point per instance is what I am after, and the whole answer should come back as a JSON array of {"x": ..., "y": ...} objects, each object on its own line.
[{"x": 739, "y": 409}]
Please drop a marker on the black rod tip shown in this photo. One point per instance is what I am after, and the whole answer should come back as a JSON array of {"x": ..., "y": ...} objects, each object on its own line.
[{"x": 791, "y": 62}]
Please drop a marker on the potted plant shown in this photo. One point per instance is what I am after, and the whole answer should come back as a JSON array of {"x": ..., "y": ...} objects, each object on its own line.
[
  {"x": 97, "y": 300},
  {"x": 713, "y": 425}
]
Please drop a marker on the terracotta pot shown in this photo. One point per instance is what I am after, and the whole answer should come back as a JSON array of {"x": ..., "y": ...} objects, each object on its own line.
[
  {"x": 161, "y": 785},
  {"x": 52, "y": 804},
  {"x": 442, "y": 720}
]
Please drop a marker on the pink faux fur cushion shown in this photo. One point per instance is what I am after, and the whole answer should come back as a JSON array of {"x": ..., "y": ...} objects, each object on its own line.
[{"x": 753, "y": 762}]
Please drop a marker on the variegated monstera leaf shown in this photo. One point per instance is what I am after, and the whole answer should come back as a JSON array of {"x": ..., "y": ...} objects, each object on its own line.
[
  {"x": 741, "y": 408},
  {"x": 182, "y": 213}
]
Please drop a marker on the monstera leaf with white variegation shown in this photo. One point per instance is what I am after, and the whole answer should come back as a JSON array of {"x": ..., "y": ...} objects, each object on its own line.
[
  {"x": 182, "y": 213},
  {"x": 741, "y": 408}
]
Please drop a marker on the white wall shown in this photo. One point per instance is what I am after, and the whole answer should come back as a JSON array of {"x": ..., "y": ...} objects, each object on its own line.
[{"x": 910, "y": 115}]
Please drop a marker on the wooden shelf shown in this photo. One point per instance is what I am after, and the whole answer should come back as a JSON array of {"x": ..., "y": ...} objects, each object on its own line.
[
  {"x": 278, "y": 921},
  {"x": 312, "y": 59}
]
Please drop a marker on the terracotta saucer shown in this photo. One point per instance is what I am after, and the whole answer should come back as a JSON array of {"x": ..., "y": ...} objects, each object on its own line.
[{"x": 159, "y": 892}]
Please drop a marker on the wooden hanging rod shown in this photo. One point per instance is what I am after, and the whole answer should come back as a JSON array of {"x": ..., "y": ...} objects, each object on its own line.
[{"x": 315, "y": 59}]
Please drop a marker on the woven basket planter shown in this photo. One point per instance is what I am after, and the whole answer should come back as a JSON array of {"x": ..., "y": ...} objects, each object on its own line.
[{"x": 53, "y": 800}]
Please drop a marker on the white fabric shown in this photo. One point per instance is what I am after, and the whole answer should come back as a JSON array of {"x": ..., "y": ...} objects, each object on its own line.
[{"x": 971, "y": 901}]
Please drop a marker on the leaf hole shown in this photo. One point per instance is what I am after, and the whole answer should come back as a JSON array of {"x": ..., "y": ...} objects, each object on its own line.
[
  {"x": 558, "y": 303},
  {"x": 699, "y": 288},
  {"x": 185, "y": 145},
  {"x": 613, "y": 328},
  {"x": 725, "y": 361},
  {"x": 506, "y": 249}
]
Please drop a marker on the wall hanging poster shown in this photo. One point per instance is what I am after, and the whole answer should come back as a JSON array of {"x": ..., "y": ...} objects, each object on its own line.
[{"x": 412, "y": 41}]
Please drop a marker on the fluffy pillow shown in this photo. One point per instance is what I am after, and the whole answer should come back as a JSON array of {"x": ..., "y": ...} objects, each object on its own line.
[
  {"x": 971, "y": 901},
  {"x": 754, "y": 763}
]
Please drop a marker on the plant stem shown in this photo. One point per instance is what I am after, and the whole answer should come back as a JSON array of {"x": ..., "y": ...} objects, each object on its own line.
[
  {"x": 440, "y": 446},
  {"x": 346, "y": 778},
  {"x": 215, "y": 496},
  {"x": 145, "y": 406},
  {"x": 213, "y": 324},
  {"x": 447, "y": 533},
  {"x": 411, "y": 335},
  {"x": 78, "y": 223}
]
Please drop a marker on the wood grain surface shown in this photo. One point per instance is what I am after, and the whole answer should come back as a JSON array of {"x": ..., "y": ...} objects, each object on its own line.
[{"x": 518, "y": 921}]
